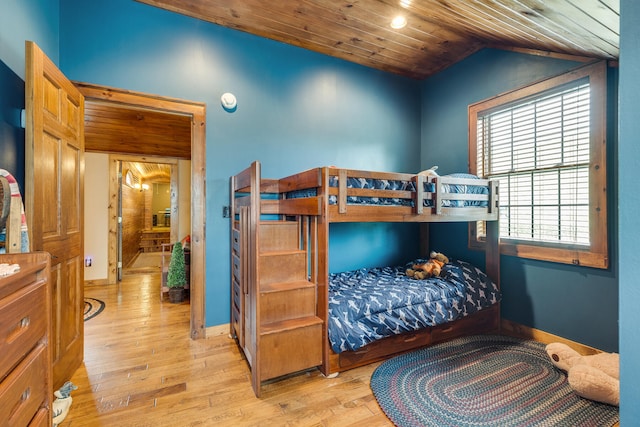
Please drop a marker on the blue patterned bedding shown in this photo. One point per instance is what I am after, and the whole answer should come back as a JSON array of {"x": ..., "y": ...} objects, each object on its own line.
[
  {"x": 372, "y": 303},
  {"x": 377, "y": 184},
  {"x": 385, "y": 184},
  {"x": 461, "y": 189}
]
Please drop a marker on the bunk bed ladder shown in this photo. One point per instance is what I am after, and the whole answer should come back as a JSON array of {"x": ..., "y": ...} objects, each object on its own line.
[
  {"x": 274, "y": 294},
  {"x": 290, "y": 333}
]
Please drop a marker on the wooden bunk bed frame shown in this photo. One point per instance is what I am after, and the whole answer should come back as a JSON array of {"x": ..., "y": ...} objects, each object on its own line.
[{"x": 256, "y": 201}]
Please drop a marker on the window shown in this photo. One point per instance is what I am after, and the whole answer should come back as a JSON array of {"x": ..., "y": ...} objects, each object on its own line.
[{"x": 546, "y": 145}]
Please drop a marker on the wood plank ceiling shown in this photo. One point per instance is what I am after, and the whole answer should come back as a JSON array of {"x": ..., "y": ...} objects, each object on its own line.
[
  {"x": 114, "y": 128},
  {"x": 438, "y": 33}
]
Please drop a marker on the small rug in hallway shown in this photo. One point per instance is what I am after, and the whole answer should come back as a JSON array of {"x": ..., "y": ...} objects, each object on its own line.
[
  {"x": 92, "y": 307},
  {"x": 483, "y": 380}
]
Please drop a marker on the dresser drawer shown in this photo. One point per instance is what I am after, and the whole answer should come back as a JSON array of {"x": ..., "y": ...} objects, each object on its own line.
[
  {"x": 25, "y": 389},
  {"x": 22, "y": 323},
  {"x": 41, "y": 419}
]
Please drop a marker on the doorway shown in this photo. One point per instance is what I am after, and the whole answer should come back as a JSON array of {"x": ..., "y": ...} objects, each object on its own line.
[
  {"x": 154, "y": 201},
  {"x": 165, "y": 118}
]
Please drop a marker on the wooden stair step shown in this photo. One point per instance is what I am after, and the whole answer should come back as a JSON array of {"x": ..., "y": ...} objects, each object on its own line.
[
  {"x": 151, "y": 241},
  {"x": 279, "y": 235},
  {"x": 154, "y": 234},
  {"x": 286, "y": 286},
  {"x": 285, "y": 252},
  {"x": 287, "y": 300},
  {"x": 290, "y": 346},
  {"x": 282, "y": 266},
  {"x": 289, "y": 325}
]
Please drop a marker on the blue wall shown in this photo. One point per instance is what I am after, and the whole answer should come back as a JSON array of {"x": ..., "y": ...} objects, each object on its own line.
[
  {"x": 21, "y": 20},
  {"x": 629, "y": 206},
  {"x": 11, "y": 133},
  {"x": 578, "y": 303},
  {"x": 35, "y": 20},
  {"x": 296, "y": 110}
]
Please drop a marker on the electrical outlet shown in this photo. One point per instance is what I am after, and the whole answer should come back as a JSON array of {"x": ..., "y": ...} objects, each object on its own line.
[
  {"x": 88, "y": 261},
  {"x": 226, "y": 211}
]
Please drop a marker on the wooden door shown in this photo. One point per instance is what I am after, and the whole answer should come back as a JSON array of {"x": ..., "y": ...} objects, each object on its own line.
[{"x": 54, "y": 172}]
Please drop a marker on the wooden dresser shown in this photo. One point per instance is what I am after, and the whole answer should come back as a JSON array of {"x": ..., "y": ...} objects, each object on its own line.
[{"x": 26, "y": 390}]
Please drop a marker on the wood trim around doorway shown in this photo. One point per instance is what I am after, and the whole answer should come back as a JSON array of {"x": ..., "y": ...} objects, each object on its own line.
[{"x": 197, "y": 112}]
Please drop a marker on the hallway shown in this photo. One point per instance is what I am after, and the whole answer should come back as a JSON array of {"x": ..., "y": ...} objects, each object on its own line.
[{"x": 145, "y": 262}]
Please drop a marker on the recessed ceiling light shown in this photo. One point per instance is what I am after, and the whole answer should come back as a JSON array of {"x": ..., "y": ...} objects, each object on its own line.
[
  {"x": 405, "y": 3},
  {"x": 398, "y": 22}
]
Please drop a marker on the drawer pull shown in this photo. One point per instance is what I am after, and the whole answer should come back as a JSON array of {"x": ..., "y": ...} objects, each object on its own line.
[
  {"x": 24, "y": 322},
  {"x": 20, "y": 328},
  {"x": 25, "y": 394}
]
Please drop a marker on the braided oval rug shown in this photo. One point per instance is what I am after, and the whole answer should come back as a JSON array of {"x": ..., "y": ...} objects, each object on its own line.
[
  {"x": 483, "y": 380},
  {"x": 92, "y": 307}
]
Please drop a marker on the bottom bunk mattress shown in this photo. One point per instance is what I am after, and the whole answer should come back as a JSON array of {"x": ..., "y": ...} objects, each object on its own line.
[{"x": 372, "y": 303}]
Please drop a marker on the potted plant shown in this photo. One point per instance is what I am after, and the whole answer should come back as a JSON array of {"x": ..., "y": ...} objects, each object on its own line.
[{"x": 176, "y": 276}]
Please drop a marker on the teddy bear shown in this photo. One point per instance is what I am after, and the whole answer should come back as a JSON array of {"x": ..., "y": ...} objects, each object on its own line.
[
  {"x": 595, "y": 377},
  {"x": 432, "y": 267}
]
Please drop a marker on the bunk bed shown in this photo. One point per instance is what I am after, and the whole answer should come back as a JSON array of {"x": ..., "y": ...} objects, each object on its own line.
[{"x": 283, "y": 295}]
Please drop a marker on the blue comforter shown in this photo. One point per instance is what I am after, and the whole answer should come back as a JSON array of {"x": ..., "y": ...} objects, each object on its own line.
[{"x": 371, "y": 303}]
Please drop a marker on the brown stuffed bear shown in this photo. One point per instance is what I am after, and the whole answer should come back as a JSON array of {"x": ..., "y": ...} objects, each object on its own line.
[
  {"x": 595, "y": 377},
  {"x": 432, "y": 267}
]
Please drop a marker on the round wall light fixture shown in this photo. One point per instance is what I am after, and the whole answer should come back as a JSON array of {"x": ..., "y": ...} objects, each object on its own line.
[{"x": 228, "y": 102}]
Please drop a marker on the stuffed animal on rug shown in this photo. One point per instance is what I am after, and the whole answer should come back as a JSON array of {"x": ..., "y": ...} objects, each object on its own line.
[
  {"x": 431, "y": 268},
  {"x": 595, "y": 377}
]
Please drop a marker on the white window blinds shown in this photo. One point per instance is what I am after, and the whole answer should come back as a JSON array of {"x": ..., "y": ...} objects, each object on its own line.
[{"x": 539, "y": 151}]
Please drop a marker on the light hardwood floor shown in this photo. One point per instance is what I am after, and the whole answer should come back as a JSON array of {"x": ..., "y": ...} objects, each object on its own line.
[
  {"x": 142, "y": 369},
  {"x": 145, "y": 262}
]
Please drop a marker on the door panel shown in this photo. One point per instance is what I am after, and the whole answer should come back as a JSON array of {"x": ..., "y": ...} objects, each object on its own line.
[
  {"x": 47, "y": 190},
  {"x": 54, "y": 190},
  {"x": 70, "y": 191},
  {"x": 72, "y": 331}
]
